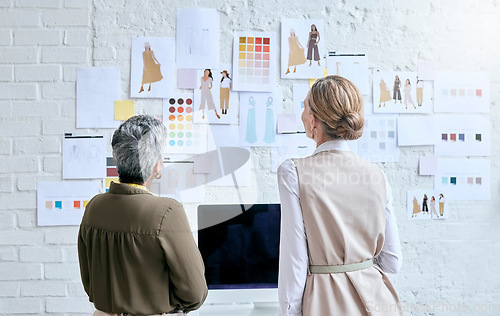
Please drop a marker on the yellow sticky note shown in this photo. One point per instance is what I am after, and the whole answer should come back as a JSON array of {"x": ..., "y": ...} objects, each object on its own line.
[
  {"x": 108, "y": 181},
  {"x": 311, "y": 82},
  {"x": 124, "y": 110},
  {"x": 85, "y": 203},
  {"x": 325, "y": 72}
]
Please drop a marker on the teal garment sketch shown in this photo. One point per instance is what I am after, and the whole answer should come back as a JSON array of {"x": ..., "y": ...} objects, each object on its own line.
[
  {"x": 269, "y": 136},
  {"x": 251, "y": 134}
]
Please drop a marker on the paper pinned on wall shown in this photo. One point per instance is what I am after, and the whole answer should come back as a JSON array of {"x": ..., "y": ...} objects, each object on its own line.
[
  {"x": 198, "y": 37},
  {"x": 63, "y": 203},
  {"x": 427, "y": 166},
  {"x": 463, "y": 135},
  {"x": 180, "y": 182},
  {"x": 97, "y": 88},
  {"x": 464, "y": 179},
  {"x": 427, "y": 204},
  {"x": 187, "y": 79},
  {"x": 351, "y": 66},
  {"x": 379, "y": 142},
  {"x": 302, "y": 48},
  {"x": 84, "y": 156},
  {"x": 299, "y": 94},
  {"x": 287, "y": 123},
  {"x": 258, "y": 112},
  {"x": 417, "y": 130},
  {"x": 426, "y": 70},
  {"x": 124, "y": 110},
  {"x": 292, "y": 146},
  {"x": 463, "y": 92}
]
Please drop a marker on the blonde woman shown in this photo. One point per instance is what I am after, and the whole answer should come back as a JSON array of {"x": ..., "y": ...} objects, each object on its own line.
[{"x": 339, "y": 267}]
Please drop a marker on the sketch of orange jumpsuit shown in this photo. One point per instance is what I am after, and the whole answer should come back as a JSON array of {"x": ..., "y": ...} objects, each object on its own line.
[{"x": 152, "y": 72}]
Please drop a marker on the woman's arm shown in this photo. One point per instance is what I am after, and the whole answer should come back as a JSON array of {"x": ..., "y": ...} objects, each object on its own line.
[
  {"x": 294, "y": 260},
  {"x": 318, "y": 38}
]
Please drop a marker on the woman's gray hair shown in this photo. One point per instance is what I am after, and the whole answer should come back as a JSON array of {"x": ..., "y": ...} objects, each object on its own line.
[{"x": 138, "y": 144}]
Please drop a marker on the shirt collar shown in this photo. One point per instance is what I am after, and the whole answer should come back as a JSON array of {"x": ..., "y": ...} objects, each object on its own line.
[{"x": 338, "y": 144}]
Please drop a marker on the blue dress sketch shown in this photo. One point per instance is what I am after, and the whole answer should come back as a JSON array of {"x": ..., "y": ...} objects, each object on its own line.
[
  {"x": 270, "y": 125},
  {"x": 251, "y": 135}
]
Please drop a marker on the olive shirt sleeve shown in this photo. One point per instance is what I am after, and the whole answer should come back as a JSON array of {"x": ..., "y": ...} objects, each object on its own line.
[
  {"x": 84, "y": 264},
  {"x": 187, "y": 271}
]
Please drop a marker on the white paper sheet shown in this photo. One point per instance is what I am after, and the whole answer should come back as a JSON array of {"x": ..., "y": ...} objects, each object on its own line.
[
  {"x": 153, "y": 67},
  {"x": 187, "y": 79},
  {"x": 292, "y": 146},
  {"x": 379, "y": 142},
  {"x": 204, "y": 98},
  {"x": 287, "y": 123},
  {"x": 464, "y": 179},
  {"x": 428, "y": 166},
  {"x": 198, "y": 37},
  {"x": 184, "y": 136},
  {"x": 97, "y": 89},
  {"x": 416, "y": 130},
  {"x": 463, "y": 135},
  {"x": 351, "y": 66},
  {"x": 84, "y": 156},
  {"x": 391, "y": 97},
  {"x": 254, "y": 61},
  {"x": 466, "y": 92},
  {"x": 434, "y": 207},
  {"x": 63, "y": 203},
  {"x": 258, "y": 112},
  {"x": 426, "y": 71},
  {"x": 299, "y": 93},
  {"x": 302, "y": 49},
  {"x": 179, "y": 182}
]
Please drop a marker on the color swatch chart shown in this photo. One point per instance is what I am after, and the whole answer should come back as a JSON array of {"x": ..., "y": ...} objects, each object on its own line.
[
  {"x": 59, "y": 205},
  {"x": 184, "y": 137},
  {"x": 453, "y": 137},
  {"x": 111, "y": 172},
  {"x": 254, "y": 59},
  {"x": 472, "y": 180},
  {"x": 379, "y": 140}
]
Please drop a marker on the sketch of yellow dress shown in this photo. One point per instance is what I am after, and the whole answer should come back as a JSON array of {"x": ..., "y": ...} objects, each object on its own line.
[
  {"x": 152, "y": 72},
  {"x": 416, "y": 207},
  {"x": 385, "y": 94},
  {"x": 296, "y": 54}
]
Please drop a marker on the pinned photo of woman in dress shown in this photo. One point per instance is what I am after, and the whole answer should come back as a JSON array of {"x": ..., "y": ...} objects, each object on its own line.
[
  {"x": 296, "y": 52},
  {"x": 151, "y": 69},
  {"x": 312, "y": 45},
  {"x": 206, "y": 95}
]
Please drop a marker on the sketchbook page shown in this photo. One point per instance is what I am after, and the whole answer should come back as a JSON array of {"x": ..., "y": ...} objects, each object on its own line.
[
  {"x": 254, "y": 61},
  {"x": 302, "y": 48},
  {"x": 427, "y": 204},
  {"x": 416, "y": 130},
  {"x": 351, "y": 66},
  {"x": 463, "y": 135},
  {"x": 180, "y": 182},
  {"x": 464, "y": 179},
  {"x": 299, "y": 93},
  {"x": 63, "y": 203},
  {"x": 97, "y": 88},
  {"x": 292, "y": 146},
  {"x": 258, "y": 112},
  {"x": 184, "y": 137},
  {"x": 84, "y": 157},
  {"x": 214, "y": 100},
  {"x": 379, "y": 142},
  {"x": 464, "y": 92},
  {"x": 400, "y": 92},
  {"x": 198, "y": 37},
  {"x": 152, "y": 70}
]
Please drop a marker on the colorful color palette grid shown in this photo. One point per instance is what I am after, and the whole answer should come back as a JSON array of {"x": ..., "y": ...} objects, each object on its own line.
[
  {"x": 254, "y": 59},
  {"x": 458, "y": 92},
  {"x": 459, "y": 137},
  {"x": 60, "y": 205},
  {"x": 463, "y": 180},
  {"x": 111, "y": 173}
]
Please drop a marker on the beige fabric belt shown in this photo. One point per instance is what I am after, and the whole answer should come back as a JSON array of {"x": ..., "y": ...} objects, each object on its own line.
[{"x": 341, "y": 268}]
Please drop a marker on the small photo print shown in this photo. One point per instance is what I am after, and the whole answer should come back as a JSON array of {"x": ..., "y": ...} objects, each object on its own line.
[{"x": 427, "y": 205}]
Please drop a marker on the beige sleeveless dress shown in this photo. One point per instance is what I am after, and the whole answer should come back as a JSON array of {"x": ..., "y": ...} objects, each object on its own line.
[{"x": 343, "y": 205}]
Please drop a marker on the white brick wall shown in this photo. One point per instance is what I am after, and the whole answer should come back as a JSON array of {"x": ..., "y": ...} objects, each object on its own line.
[{"x": 43, "y": 42}]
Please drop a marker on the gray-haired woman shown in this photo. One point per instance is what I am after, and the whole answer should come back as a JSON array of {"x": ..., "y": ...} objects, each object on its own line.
[{"x": 136, "y": 251}]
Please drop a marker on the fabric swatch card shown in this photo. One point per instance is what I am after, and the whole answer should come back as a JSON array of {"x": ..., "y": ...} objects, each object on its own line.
[
  {"x": 416, "y": 130},
  {"x": 464, "y": 179},
  {"x": 64, "y": 202},
  {"x": 198, "y": 37},
  {"x": 152, "y": 70},
  {"x": 184, "y": 136},
  {"x": 351, "y": 66},
  {"x": 463, "y": 135},
  {"x": 254, "y": 61},
  {"x": 401, "y": 92},
  {"x": 427, "y": 166},
  {"x": 97, "y": 88},
  {"x": 214, "y": 100},
  {"x": 84, "y": 156},
  {"x": 299, "y": 93},
  {"x": 302, "y": 48},
  {"x": 427, "y": 204},
  {"x": 467, "y": 92},
  {"x": 258, "y": 112},
  {"x": 379, "y": 142}
]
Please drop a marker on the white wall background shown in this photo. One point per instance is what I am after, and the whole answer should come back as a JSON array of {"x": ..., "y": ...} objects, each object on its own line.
[{"x": 42, "y": 42}]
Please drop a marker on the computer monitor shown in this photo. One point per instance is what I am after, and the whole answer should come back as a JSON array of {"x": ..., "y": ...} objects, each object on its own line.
[{"x": 239, "y": 244}]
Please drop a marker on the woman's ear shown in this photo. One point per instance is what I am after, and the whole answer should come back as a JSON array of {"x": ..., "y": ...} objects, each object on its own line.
[{"x": 158, "y": 166}]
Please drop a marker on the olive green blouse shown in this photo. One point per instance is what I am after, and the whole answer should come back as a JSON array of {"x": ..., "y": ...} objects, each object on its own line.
[{"x": 137, "y": 254}]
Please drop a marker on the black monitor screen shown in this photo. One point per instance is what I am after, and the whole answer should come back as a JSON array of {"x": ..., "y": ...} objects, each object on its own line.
[{"x": 240, "y": 245}]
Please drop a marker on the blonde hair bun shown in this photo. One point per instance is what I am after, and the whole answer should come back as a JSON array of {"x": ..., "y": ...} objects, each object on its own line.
[{"x": 350, "y": 126}]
